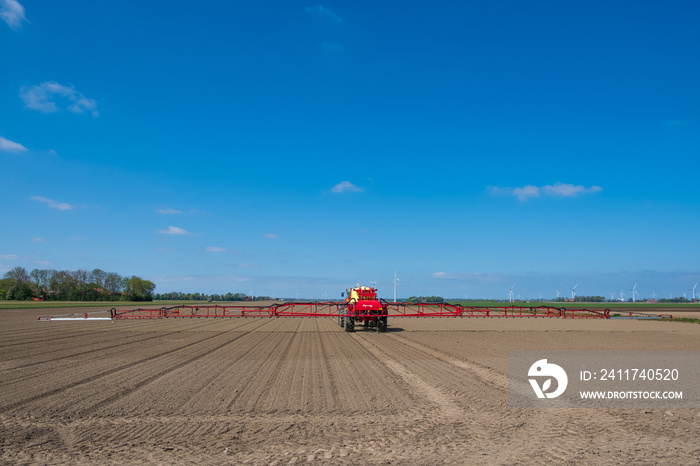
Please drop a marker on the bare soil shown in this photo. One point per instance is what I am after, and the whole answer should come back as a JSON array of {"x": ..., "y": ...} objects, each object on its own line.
[{"x": 297, "y": 390}]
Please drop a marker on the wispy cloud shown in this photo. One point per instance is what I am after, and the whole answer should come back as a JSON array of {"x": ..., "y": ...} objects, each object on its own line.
[
  {"x": 270, "y": 235},
  {"x": 446, "y": 275},
  {"x": 171, "y": 230},
  {"x": 9, "y": 256},
  {"x": 323, "y": 13},
  {"x": 569, "y": 190},
  {"x": 556, "y": 190},
  {"x": 12, "y": 13},
  {"x": 526, "y": 192},
  {"x": 42, "y": 98},
  {"x": 10, "y": 146},
  {"x": 51, "y": 203},
  {"x": 37, "y": 240},
  {"x": 344, "y": 186},
  {"x": 169, "y": 211}
]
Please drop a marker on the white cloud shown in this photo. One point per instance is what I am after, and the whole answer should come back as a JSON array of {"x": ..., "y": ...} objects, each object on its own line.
[
  {"x": 557, "y": 190},
  {"x": 270, "y": 235},
  {"x": 219, "y": 249},
  {"x": 41, "y": 97},
  {"x": 569, "y": 190},
  {"x": 9, "y": 256},
  {"x": 323, "y": 13},
  {"x": 10, "y": 146},
  {"x": 51, "y": 203},
  {"x": 174, "y": 231},
  {"x": 37, "y": 240},
  {"x": 525, "y": 192},
  {"x": 12, "y": 13},
  {"x": 444, "y": 275},
  {"x": 346, "y": 186},
  {"x": 43, "y": 263},
  {"x": 168, "y": 211}
]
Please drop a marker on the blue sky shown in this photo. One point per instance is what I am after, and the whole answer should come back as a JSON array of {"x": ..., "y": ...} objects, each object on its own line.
[{"x": 286, "y": 147}]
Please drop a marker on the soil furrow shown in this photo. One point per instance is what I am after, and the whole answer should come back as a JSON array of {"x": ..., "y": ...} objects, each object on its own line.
[
  {"x": 142, "y": 383},
  {"x": 99, "y": 354},
  {"x": 91, "y": 378}
]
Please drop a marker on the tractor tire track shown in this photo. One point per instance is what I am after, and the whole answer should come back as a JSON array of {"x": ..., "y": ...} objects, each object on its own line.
[
  {"x": 448, "y": 409},
  {"x": 364, "y": 384},
  {"x": 483, "y": 373}
]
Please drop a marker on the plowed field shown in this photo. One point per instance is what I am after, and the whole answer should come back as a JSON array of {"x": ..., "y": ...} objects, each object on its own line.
[{"x": 286, "y": 390}]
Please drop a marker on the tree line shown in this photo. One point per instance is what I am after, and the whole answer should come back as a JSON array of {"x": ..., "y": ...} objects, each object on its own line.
[
  {"x": 77, "y": 285},
  {"x": 426, "y": 299},
  {"x": 583, "y": 299}
]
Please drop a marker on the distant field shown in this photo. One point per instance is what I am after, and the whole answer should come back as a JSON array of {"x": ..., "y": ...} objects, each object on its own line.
[{"x": 643, "y": 307}]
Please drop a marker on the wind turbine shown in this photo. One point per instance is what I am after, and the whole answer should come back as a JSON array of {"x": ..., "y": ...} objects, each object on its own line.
[
  {"x": 395, "y": 281},
  {"x": 622, "y": 296},
  {"x": 634, "y": 292},
  {"x": 374, "y": 284},
  {"x": 693, "y": 289},
  {"x": 557, "y": 294},
  {"x": 653, "y": 295},
  {"x": 573, "y": 292},
  {"x": 510, "y": 293}
]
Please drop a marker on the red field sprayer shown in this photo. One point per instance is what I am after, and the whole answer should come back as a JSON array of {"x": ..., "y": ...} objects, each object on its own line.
[{"x": 360, "y": 306}]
